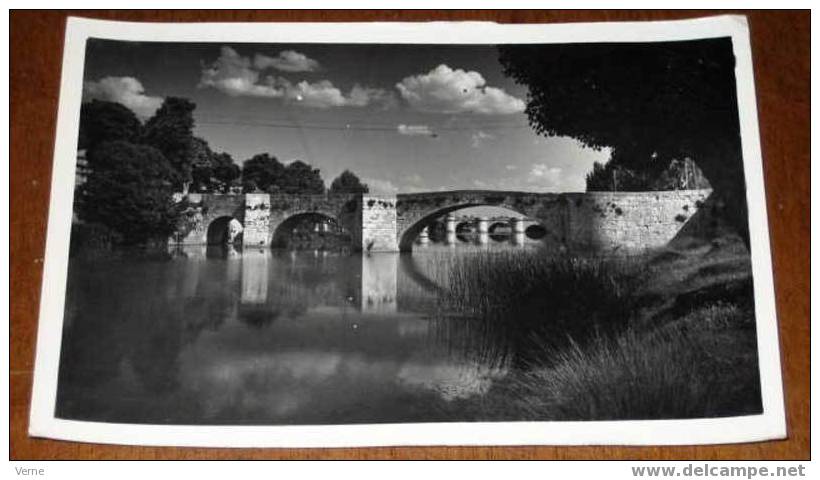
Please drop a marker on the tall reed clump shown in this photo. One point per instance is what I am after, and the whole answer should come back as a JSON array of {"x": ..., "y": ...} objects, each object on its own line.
[
  {"x": 515, "y": 303},
  {"x": 689, "y": 368},
  {"x": 657, "y": 336}
]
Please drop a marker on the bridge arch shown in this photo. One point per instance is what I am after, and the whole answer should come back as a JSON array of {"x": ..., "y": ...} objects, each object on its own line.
[
  {"x": 463, "y": 230},
  {"x": 312, "y": 230},
  {"x": 535, "y": 232},
  {"x": 224, "y": 230},
  {"x": 464, "y": 226},
  {"x": 500, "y": 231},
  {"x": 497, "y": 225},
  {"x": 412, "y": 231}
]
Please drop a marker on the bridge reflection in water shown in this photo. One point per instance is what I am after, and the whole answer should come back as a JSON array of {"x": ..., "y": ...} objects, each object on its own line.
[
  {"x": 265, "y": 336},
  {"x": 375, "y": 283},
  {"x": 381, "y": 283}
]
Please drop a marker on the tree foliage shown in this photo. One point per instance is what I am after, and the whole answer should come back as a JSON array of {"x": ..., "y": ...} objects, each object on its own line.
[
  {"x": 299, "y": 177},
  {"x": 613, "y": 176},
  {"x": 348, "y": 182},
  {"x": 211, "y": 171},
  {"x": 261, "y": 172},
  {"x": 170, "y": 131},
  {"x": 106, "y": 121},
  {"x": 225, "y": 171},
  {"x": 650, "y": 102},
  {"x": 130, "y": 191},
  {"x": 266, "y": 173}
]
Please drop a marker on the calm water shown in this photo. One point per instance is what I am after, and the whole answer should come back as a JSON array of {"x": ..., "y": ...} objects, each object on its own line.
[{"x": 266, "y": 337}]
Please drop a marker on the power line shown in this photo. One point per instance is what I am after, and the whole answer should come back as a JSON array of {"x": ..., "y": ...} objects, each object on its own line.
[{"x": 353, "y": 127}]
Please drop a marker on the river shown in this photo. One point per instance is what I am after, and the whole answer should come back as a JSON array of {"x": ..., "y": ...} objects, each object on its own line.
[{"x": 264, "y": 336}]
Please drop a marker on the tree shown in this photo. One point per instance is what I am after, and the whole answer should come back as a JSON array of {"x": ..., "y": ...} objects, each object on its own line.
[
  {"x": 261, "y": 173},
  {"x": 104, "y": 122},
  {"x": 680, "y": 174},
  {"x": 266, "y": 173},
  {"x": 170, "y": 131},
  {"x": 130, "y": 190},
  {"x": 348, "y": 182},
  {"x": 211, "y": 171},
  {"x": 299, "y": 177},
  {"x": 225, "y": 171},
  {"x": 202, "y": 171},
  {"x": 612, "y": 177},
  {"x": 651, "y": 102}
]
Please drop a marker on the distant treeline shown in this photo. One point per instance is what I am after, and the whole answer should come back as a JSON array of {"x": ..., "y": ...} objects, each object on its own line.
[{"x": 134, "y": 168}]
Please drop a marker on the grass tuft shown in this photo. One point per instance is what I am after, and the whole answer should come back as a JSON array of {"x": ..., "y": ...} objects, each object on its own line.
[{"x": 667, "y": 335}]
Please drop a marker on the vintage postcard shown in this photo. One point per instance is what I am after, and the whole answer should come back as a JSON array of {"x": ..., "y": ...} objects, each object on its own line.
[{"x": 271, "y": 235}]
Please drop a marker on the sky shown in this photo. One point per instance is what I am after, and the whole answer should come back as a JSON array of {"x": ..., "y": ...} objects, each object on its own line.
[{"x": 404, "y": 118}]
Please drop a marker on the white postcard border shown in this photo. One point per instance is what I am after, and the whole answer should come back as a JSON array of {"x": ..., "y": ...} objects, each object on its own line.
[{"x": 43, "y": 423}]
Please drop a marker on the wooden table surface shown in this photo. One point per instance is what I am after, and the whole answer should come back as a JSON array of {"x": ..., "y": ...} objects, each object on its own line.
[{"x": 780, "y": 45}]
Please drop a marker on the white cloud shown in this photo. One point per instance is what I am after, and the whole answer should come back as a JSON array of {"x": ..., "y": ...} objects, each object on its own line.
[
  {"x": 545, "y": 176},
  {"x": 381, "y": 186},
  {"x": 286, "y": 61},
  {"x": 236, "y": 76},
  {"x": 510, "y": 168},
  {"x": 445, "y": 90},
  {"x": 477, "y": 138},
  {"x": 415, "y": 130},
  {"x": 360, "y": 96},
  {"x": 415, "y": 179},
  {"x": 321, "y": 94},
  {"x": 127, "y": 91},
  {"x": 405, "y": 184}
]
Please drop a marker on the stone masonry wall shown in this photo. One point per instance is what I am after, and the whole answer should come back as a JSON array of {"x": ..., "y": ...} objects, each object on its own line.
[
  {"x": 257, "y": 220},
  {"x": 379, "y": 229},
  {"x": 593, "y": 221},
  {"x": 205, "y": 208},
  {"x": 632, "y": 221},
  {"x": 342, "y": 207}
]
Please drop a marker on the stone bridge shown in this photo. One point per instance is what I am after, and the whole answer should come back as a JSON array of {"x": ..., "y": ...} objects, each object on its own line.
[{"x": 596, "y": 221}]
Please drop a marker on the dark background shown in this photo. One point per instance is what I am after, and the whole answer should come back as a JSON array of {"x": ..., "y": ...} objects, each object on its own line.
[{"x": 780, "y": 49}]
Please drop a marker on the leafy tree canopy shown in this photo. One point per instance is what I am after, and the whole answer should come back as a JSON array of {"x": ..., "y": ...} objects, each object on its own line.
[
  {"x": 226, "y": 172},
  {"x": 106, "y": 121},
  {"x": 129, "y": 191},
  {"x": 348, "y": 182},
  {"x": 261, "y": 173},
  {"x": 211, "y": 171},
  {"x": 299, "y": 177},
  {"x": 681, "y": 174},
  {"x": 650, "y": 102},
  {"x": 170, "y": 131},
  {"x": 664, "y": 98},
  {"x": 265, "y": 173}
]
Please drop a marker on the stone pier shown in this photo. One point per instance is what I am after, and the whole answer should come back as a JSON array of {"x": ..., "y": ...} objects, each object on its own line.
[
  {"x": 483, "y": 230},
  {"x": 594, "y": 221}
]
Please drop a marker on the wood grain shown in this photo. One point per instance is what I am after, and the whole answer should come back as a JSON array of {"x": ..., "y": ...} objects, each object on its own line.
[{"x": 780, "y": 44}]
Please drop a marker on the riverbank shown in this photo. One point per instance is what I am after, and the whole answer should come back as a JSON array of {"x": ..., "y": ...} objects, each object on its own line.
[{"x": 667, "y": 335}]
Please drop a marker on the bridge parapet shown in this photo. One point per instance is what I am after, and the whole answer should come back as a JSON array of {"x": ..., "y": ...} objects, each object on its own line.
[
  {"x": 203, "y": 210},
  {"x": 591, "y": 221}
]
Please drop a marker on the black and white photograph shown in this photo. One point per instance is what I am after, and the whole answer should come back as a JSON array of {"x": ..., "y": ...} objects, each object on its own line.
[{"x": 524, "y": 234}]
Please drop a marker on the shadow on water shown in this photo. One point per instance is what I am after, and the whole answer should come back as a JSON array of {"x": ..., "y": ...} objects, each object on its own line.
[
  {"x": 222, "y": 334},
  {"x": 228, "y": 335}
]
